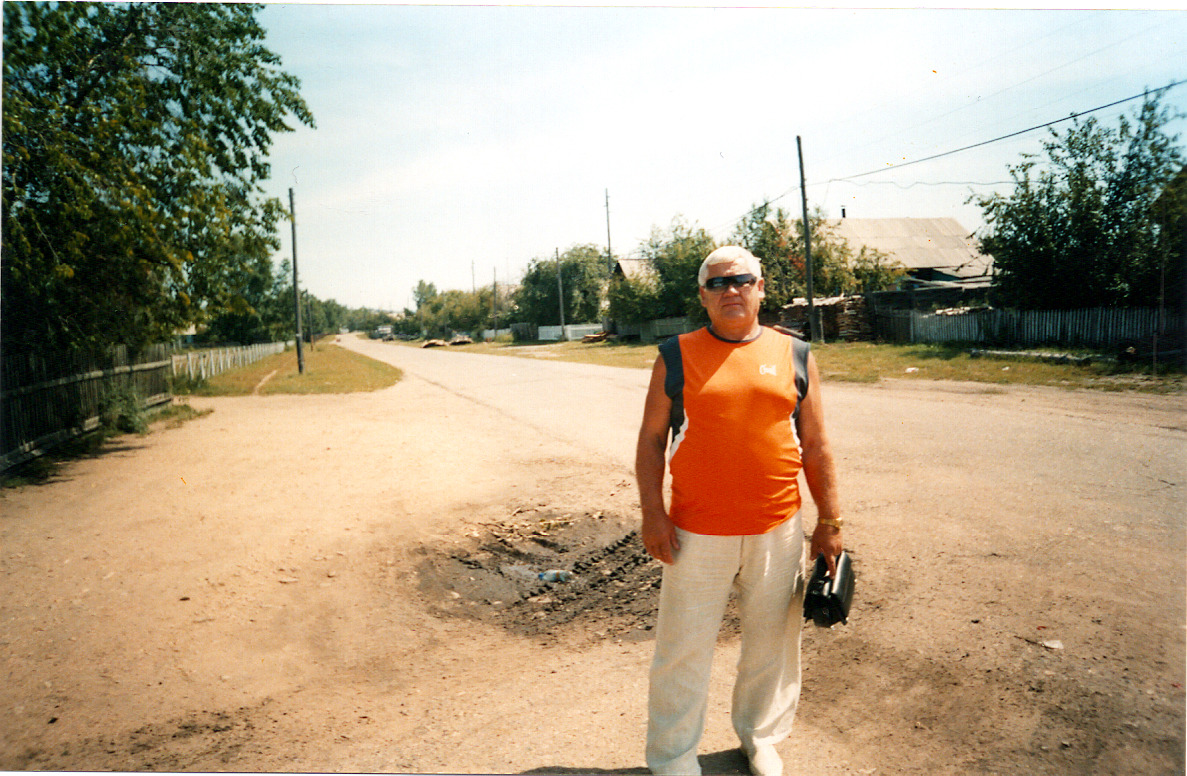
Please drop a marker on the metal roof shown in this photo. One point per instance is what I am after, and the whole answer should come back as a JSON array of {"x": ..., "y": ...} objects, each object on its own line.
[
  {"x": 635, "y": 268},
  {"x": 919, "y": 243}
]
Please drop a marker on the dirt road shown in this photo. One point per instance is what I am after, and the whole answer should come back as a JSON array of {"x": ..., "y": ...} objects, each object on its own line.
[{"x": 343, "y": 583}]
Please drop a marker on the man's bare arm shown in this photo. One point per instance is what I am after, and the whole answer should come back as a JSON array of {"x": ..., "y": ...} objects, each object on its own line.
[
  {"x": 658, "y": 532},
  {"x": 820, "y": 470}
]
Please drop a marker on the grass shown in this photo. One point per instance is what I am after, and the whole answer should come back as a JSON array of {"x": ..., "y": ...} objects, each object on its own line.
[
  {"x": 866, "y": 362},
  {"x": 175, "y": 415},
  {"x": 328, "y": 369}
]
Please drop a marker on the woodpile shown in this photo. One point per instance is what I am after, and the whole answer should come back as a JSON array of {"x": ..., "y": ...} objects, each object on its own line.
[
  {"x": 599, "y": 337},
  {"x": 841, "y": 317}
]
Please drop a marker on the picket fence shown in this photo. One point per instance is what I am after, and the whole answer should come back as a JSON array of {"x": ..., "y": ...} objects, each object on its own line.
[
  {"x": 490, "y": 335},
  {"x": 569, "y": 333},
  {"x": 1090, "y": 328},
  {"x": 203, "y": 364}
]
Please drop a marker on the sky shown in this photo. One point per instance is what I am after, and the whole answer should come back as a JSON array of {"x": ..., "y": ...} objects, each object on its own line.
[{"x": 457, "y": 144}]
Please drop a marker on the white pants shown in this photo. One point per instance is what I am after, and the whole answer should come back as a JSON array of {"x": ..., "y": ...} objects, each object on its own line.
[{"x": 768, "y": 570}]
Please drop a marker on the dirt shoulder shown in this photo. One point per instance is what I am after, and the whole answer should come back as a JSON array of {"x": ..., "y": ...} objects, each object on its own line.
[{"x": 345, "y": 584}]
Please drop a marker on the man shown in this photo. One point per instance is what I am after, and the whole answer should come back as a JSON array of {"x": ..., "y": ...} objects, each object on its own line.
[{"x": 742, "y": 403}]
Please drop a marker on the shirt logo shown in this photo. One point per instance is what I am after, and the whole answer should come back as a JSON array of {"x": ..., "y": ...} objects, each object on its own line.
[{"x": 766, "y": 369}]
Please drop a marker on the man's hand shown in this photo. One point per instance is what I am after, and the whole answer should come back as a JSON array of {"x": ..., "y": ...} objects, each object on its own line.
[
  {"x": 827, "y": 540},
  {"x": 659, "y": 537}
]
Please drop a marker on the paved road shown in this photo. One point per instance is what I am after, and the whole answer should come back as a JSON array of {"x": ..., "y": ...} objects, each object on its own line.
[{"x": 598, "y": 409}]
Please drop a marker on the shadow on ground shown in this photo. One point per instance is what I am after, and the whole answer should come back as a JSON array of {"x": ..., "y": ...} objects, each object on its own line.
[
  {"x": 52, "y": 467},
  {"x": 728, "y": 763}
]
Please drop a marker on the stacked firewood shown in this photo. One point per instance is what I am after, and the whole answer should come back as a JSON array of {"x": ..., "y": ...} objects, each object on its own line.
[{"x": 841, "y": 317}]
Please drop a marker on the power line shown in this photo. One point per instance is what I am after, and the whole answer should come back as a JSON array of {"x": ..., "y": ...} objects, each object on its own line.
[
  {"x": 986, "y": 62},
  {"x": 1037, "y": 76},
  {"x": 932, "y": 183},
  {"x": 1009, "y": 136},
  {"x": 933, "y": 157}
]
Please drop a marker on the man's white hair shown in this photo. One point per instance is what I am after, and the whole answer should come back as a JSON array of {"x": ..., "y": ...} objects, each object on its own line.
[{"x": 725, "y": 255}]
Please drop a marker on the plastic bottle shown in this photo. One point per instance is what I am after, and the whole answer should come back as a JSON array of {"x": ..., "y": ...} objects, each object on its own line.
[{"x": 556, "y": 575}]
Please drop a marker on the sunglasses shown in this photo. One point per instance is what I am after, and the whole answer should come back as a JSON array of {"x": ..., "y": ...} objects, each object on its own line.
[{"x": 720, "y": 283}]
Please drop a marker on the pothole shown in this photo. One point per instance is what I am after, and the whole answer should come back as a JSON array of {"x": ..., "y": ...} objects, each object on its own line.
[{"x": 609, "y": 589}]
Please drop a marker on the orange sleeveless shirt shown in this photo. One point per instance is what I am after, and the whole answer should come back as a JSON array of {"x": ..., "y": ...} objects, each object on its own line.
[{"x": 734, "y": 454}]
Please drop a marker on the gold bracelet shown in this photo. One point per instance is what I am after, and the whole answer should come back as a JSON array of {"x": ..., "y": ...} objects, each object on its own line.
[{"x": 830, "y": 521}]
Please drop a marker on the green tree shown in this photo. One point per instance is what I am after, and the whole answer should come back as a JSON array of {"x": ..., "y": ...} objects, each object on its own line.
[
  {"x": 1079, "y": 229},
  {"x": 585, "y": 276},
  {"x": 583, "y": 281},
  {"x": 424, "y": 294},
  {"x": 262, "y": 310},
  {"x": 832, "y": 259},
  {"x": 1170, "y": 210},
  {"x": 467, "y": 311},
  {"x": 406, "y": 324},
  {"x": 428, "y": 307},
  {"x": 874, "y": 270},
  {"x": 252, "y": 313},
  {"x": 676, "y": 255},
  {"x": 135, "y": 139},
  {"x": 778, "y": 241},
  {"x": 366, "y": 320},
  {"x": 333, "y": 313},
  {"x": 442, "y": 313},
  {"x": 632, "y": 299},
  {"x": 772, "y": 238}
]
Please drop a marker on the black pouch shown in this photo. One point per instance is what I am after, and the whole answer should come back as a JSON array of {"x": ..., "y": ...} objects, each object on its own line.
[{"x": 827, "y": 600}]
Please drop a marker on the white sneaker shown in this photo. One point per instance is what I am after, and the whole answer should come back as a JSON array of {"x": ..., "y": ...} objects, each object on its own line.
[{"x": 765, "y": 761}]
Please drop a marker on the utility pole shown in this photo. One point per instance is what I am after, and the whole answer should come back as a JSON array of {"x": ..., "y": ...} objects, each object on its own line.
[
  {"x": 813, "y": 316},
  {"x": 609, "y": 253},
  {"x": 296, "y": 287},
  {"x": 494, "y": 302},
  {"x": 560, "y": 292},
  {"x": 308, "y": 318}
]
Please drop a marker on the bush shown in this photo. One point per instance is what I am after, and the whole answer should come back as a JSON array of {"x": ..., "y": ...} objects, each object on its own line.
[
  {"x": 122, "y": 411},
  {"x": 632, "y": 300},
  {"x": 181, "y": 385}
]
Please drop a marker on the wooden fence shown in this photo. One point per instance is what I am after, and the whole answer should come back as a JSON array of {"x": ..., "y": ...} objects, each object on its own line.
[
  {"x": 48, "y": 399},
  {"x": 1091, "y": 328},
  {"x": 658, "y": 329}
]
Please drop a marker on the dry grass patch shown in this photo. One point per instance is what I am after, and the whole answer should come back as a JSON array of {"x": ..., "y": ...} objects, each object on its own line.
[
  {"x": 632, "y": 355},
  {"x": 867, "y": 362},
  {"x": 328, "y": 369}
]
